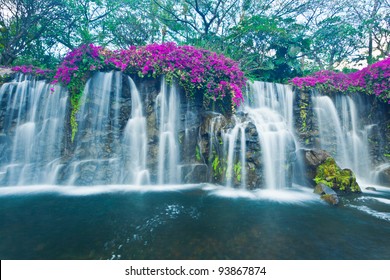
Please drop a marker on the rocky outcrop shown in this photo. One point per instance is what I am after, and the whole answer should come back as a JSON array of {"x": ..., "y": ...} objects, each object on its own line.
[
  {"x": 327, "y": 194},
  {"x": 321, "y": 169},
  {"x": 331, "y": 175}
]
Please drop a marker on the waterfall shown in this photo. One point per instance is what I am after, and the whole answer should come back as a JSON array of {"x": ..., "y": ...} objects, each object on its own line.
[
  {"x": 270, "y": 109},
  {"x": 146, "y": 135},
  {"x": 342, "y": 133},
  {"x": 33, "y": 121},
  {"x": 96, "y": 142},
  {"x": 236, "y": 161},
  {"x": 135, "y": 140},
  {"x": 167, "y": 110}
]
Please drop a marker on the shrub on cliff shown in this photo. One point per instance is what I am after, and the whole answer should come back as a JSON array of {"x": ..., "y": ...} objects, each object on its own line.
[
  {"x": 373, "y": 79},
  {"x": 200, "y": 72}
]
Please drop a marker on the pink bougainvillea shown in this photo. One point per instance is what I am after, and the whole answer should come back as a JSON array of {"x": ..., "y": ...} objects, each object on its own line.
[
  {"x": 373, "y": 79},
  {"x": 197, "y": 70},
  {"x": 29, "y": 69}
]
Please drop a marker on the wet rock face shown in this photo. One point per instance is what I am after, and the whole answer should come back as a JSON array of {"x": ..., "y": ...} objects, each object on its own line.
[
  {"x": 194, "y": 173},
  {"x": 384, "y": 177},
  {"x": 214, "y": 149},
  {"x": 311, "y": 160}
]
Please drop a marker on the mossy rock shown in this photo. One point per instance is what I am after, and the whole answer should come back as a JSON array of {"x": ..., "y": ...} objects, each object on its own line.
[{"x": 331, "y": 175}]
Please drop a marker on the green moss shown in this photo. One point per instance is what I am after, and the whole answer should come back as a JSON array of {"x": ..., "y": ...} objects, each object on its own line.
[
  {"x": 197, "y": 153},
  {"x": 332, "y": 176},
  {"x": 76, "y": 89},
  {"x": 5, "y": 78},
  {"x": 237, "y": 171},
  {"x": 303, "y": 115},
  {"x": 215, "y": 164}
]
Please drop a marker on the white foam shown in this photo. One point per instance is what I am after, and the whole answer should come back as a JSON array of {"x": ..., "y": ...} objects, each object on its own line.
[
  {"x": 378, "y": 189},
  {"x": 90, "y": 190},
  {"x": 294, "y": 195},
  {"x": 382, "y": 200},
  {"x": 379, "y": 199},
  {"x": 380, "y": 215}
]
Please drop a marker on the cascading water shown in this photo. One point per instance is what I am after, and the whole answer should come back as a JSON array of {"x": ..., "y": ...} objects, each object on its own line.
[
  {"x": 135, "y": 141},
  {"x": 97, "y": 132},
  {"x": 236, "y": 162},
  {"x": 270, "y": 109},
  {"x": 33, "y": 121},
  {"x": 127, "y": 136},
  {"x": 167, "y": 110},
  {"x": 342, "y": 133}
]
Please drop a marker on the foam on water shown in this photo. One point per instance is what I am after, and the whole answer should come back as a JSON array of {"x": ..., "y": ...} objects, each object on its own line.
[
  {"x": 295, "y": 195},
  {"x": 90, "y": 190},
  {"x": 380, "y": 215},
  {"x": 378, "y": 199}
]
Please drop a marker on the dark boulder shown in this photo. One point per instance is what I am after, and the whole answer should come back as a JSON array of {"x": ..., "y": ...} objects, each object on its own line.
[{"x": 307, "y": 163}]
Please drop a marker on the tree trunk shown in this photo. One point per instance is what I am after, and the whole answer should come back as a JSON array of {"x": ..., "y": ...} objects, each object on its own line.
[{"x": 370, "y": 47}]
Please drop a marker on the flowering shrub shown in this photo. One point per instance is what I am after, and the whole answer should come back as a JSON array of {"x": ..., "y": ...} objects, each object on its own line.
[
  {"x": 195, "y": 69},
  {"x": 373, "y": 79},
  {"x": 198, "y": 71},
  {"x": 35, "y": 71},
  {"x": 74, "y": 72}
]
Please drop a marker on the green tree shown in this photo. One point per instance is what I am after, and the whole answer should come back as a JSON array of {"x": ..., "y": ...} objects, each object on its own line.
[
  {"x": 23, "y": 22},
  {"x": 334, "y": 42},
  {"x": 268, "y": 48},
  {"x": 373, "y": 17}
]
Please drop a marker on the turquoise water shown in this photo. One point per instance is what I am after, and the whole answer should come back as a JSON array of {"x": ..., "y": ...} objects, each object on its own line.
[{"x": 190, "y": 222}]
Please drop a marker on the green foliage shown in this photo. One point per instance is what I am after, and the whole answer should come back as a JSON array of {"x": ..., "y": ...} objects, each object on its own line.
[
  {"x": 215, "y": 164},
  {"x": 332, "y": 176},
  {"x": 334, "y": 41},
  {"x": 237, "y": 170},
  {"x": 5, "y": 78},
  {"x": 74, "y": 72},
  {"x": 197, "y": 153},
  {"x": 263, "y": 36},
  {"x": 219, "y": 166},
  {"x": 268, "y": 47},
  {"x": 23, "y": 25}
]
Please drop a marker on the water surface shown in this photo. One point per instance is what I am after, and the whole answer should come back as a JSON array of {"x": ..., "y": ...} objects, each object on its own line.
[{"x": 190, "y": 222}]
